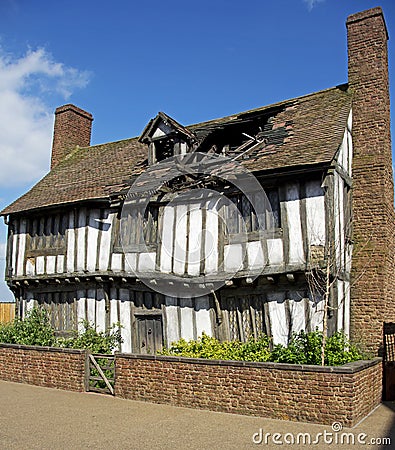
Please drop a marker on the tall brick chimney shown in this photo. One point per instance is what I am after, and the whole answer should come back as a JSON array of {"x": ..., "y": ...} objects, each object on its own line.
[
  {"x": 372, "y": 292},
  {"x": 72, "y": 127}
]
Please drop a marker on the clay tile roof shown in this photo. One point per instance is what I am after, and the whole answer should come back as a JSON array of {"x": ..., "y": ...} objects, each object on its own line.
[
  {"x": 85, "y": 174},
  {"x": 312, "y": 131},
  {"x": 316, "y": 125}
]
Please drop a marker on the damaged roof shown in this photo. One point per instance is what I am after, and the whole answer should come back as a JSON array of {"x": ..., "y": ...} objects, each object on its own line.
[{"x": 303, "y": 131}]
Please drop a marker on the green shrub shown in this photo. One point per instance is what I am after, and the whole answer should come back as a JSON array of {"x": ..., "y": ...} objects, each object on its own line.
[
  {"x": 7, "y": 334},
  {"x": 304, "y": 348},
  {"x": 95, "y": 341},
  {"x": 338, "y": 351},
  {"x": 35, "y": 329},
  {"x": 210, "y": 348}
]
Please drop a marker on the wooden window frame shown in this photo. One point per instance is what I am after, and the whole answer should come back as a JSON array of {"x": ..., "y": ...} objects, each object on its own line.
[
  {"x": 46, "y": 235},
  {"x": 244, "y": 316},
  {"x": 144, "y": 226},
  {"x": 252, "y": 232},
  {"x": 52, "y": 301}
]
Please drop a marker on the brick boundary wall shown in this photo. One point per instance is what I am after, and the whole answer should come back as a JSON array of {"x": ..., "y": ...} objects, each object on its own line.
[
  {"x": 344, "y": 394},
  {"x": 43, "y": 366},
  {"x": 315, "y": 394}
]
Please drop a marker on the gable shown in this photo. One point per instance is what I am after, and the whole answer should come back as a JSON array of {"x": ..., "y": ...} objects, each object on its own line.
[
  {"x": 162, "y": 130},
  {"x": 164, "y": 126}
]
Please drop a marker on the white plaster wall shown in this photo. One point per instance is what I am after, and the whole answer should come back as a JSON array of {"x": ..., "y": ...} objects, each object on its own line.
[
  {"x": 172, "y": 323},
  {"x": 70, "y": 244},
  {"x": 233, "y": 257},
  {"x": 180, "y": 239},
  {"x": 166, "y": 252},
  {"x": 186, "y": 319},
  {"x": 60, "y": 264},
  {"x": 51, "y": 262},
  {"x": 116, "y": 262},
  {"x": 81, "y": 308},
  {"x": 316, "y": 312},
  {"x": 21, "y": 247},
  {"x": 211, "y": 255},
  {"x": 31, "y": 266},
  {"x": 40, "y": 265},
  {"x": 81, "y": 232},
  {"x": 101, "y": 311},
  {"x": 195, "y": 240},
  {"x": 91, "y": 306},
  {"x": 105, "y": 240},
  {"x": 147, "y": 262},
  {"x": 275, "y": 251},
  {"x": 297, "y": 302},
  {"x": 292, "y": 208},
  {"x": 93, "y": 233},
  {"x": 315, "y": 213},
  {"x": 278, "y": 318},
  {"x": 124, "y": 319},
  {"x": 255, "y": 255},
  {"x": 203, "y": 320}
]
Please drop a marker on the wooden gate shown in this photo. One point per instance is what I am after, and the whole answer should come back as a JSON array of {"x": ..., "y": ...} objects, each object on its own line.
[
  {"x": 101, "y": 371},
  {"x": 389, "y": 362}
]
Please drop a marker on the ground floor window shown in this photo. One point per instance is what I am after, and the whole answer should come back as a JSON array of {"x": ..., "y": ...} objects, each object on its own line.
[
  {"x": 244, "y": 316},
  {"x": 62, "y": 310}
]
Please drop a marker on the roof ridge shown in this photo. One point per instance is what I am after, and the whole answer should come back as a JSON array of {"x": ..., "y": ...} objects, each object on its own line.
[
  {"x": 235, "y": 115},
  {"x": 135, "y": 138},
  {"x": 271, "y": 105}
]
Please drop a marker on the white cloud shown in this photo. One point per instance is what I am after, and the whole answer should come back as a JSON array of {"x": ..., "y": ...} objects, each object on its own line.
[
  {"x": 25, "y": 118},
  {"x": 3, "y": 246},
  {"x": 312, "y": 3}
]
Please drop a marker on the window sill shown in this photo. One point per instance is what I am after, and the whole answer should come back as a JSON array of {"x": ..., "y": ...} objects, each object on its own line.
[
  {"x": 45, "y": 252},
  {"x": 136, "y": 248},
  {"x": 253, "y": 236}
]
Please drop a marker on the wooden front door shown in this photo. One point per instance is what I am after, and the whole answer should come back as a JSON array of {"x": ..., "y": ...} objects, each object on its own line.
[{"x": 149, "y": 333}]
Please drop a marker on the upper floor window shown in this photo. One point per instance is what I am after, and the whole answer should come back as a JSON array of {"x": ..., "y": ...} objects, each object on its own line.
[
  {"x": 165, "y": 137},
  {"x": 136, "y": 229},
  {"x": 245, "y": 219},
  {"x": 47, "y": 234}
]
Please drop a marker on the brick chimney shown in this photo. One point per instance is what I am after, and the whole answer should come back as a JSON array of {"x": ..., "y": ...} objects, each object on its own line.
[
  {"x": 72, "y": 127},
  {"x": 372, "y": 292}
]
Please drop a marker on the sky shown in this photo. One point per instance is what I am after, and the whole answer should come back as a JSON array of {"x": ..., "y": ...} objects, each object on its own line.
[{"x": 123, "y": 61}]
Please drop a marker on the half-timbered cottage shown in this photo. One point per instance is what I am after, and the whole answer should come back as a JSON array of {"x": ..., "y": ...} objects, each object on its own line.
[{"x": 160, "y": 233}]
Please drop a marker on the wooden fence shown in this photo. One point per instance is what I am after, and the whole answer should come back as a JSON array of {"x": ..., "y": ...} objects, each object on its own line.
[
  {"x": 389, "y": 362},
  {"x": 7, "y": 312}
]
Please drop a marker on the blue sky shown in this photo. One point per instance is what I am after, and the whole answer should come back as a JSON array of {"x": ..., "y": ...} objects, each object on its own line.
[{"x": 124, "y": 61}]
